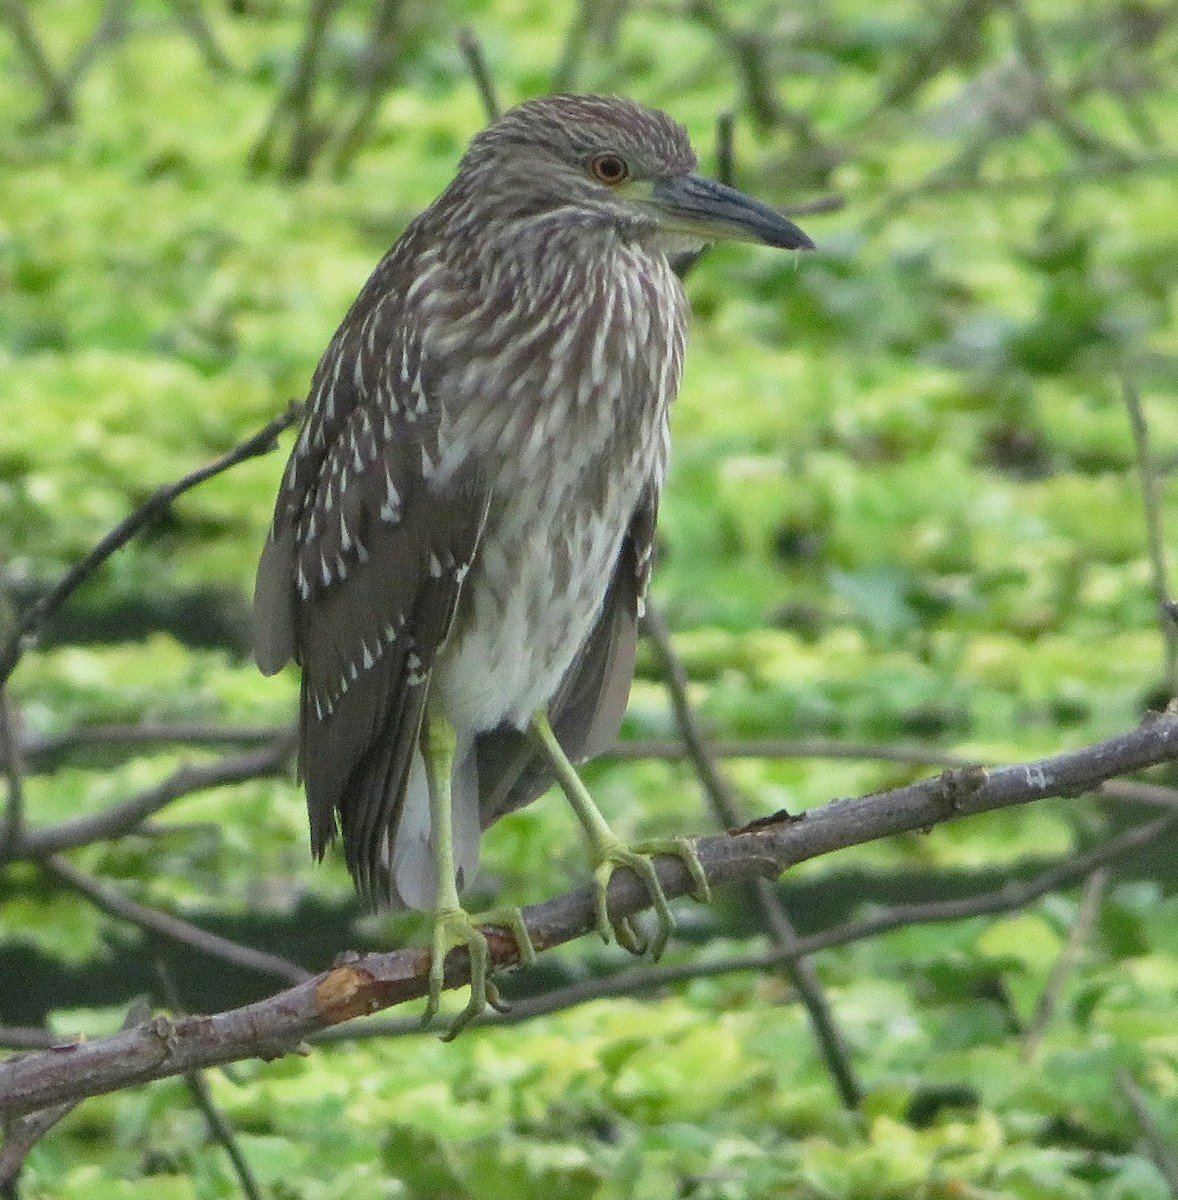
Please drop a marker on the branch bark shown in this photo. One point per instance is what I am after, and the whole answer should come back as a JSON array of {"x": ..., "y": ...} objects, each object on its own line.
[{"x": 362, "y": 984}]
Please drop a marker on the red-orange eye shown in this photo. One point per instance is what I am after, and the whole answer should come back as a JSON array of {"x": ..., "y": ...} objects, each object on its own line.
[{"x": 609, "y": 169}]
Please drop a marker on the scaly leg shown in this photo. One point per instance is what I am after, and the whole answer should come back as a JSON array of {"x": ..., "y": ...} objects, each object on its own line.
[
  {"x": 609, "y": 852},
  {"x": 452, "y": 924}
]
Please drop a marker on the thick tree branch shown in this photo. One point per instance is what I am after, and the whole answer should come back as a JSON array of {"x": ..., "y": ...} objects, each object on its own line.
[
  {"x": 636, "y": 980},
  {"x": 363, "y": 984}
]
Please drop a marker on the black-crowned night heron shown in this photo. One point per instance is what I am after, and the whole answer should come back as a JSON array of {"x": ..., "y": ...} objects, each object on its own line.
[{"x": 463, "y": 536}]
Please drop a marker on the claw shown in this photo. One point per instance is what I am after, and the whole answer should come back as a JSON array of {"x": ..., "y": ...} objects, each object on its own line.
[
  {"x": 456, "y": 927},
  {"x": 612, "y": 854}
]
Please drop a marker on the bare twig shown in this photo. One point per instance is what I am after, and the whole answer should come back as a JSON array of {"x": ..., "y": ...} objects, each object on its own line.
[
  {"x": 484, "y": 81},
  {"x": 68, "y": 835},
  {"x": 222, "y": 1131},
  {"x": 24, "y": 1132},
  {"x": 366, "y": 983},
  {"x": 1152, "y": 501},
  {"x": 37, "y": 614},
  {"x": 726, "y": 147},
  {"x": 1011, "y": 186},
  {"x": 1161, "y": 1153},
  {"x": 957, "y": 32},
  {"x": 594, "y": 27},
  {"x": 279, "y": 744},
  {"x": 1065, "y": 964},
  {"x": 748, "y": 49},
  {"x": 190, "y": 14},
  {"x": 674, "y": 750},
  {"x": 166, "y": 925},
  {"x": 111, "y": 27},
  {"x": 1031, "y": 47}
]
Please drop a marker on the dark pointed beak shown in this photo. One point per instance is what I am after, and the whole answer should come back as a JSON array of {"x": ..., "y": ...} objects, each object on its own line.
[{"x": 713, "y": 211}]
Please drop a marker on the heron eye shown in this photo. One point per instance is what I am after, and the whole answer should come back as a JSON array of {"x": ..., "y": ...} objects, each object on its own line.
[{"x": 609, "y": 169}]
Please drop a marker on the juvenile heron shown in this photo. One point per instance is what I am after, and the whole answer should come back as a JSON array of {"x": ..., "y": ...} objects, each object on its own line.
[{"x": 462, "y": 540}]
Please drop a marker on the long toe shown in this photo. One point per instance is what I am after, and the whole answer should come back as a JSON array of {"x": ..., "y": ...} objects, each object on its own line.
[{"x": 683, "y": 849}]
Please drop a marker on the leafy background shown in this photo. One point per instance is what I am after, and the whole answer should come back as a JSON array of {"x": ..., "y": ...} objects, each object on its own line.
[{"x": 903, "y": 509}]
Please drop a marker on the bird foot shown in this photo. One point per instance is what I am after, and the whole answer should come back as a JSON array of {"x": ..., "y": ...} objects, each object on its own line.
[
  {"x": 612, "y": 854},
  {"x": 456, "y": 927}
]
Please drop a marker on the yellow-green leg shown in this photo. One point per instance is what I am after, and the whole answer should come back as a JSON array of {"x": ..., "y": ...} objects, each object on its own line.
[
  {"x": 452, "y": 924},
  {"x": 609, "y": 852}
]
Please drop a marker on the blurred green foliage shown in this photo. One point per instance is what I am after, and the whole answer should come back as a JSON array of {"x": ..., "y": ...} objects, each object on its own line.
[{"x": 903, "y": 507}]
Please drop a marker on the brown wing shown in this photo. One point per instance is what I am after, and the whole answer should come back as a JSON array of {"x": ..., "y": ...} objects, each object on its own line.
[
  {"x": 587, "y": 711},
  {"x": 362, "y": 574}
]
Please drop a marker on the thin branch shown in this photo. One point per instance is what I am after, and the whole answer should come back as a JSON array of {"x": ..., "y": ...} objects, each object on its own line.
[
  {"x": 726, "y": 147},
  {"x": 364, "y": 984},
  {"x": 112, "y": 27},
  {"x": 37, "y": 614},
  {"x": 674, "y": 750},
  {"x": 1016, "y": 894},
  {"x": 27, "y": 1037},
  {"x": 725, "y": 807},
  {"x": 1012, "y": 186},
  {"x": 819, "y": 206},
  {"x": 123, "y": 818},
  {"x": 117, "y": 905},
  {"x": 12, "y": 826},
  {"x": 222, "y": 1131},
  {"x": 1069, "y": 957},
  {"x": 380, "y": 58},
  {"x": 294, "y": 103},
  {"x": 594, "y": 27},
  {"x": 190, "y": 14},
  {"x": 1151, "y": 495},
  {"x": 272, "y": 761},
  {"x": 58, "y": 103},
  {"x": 43, "y": 751},
  {"x": 21, "y": 1136},
  {"x": 198, "y": 1089},
  {"x": 1033, "y": 51},
  {"x": 484, "y": 81},
  {"x": 1161, "y": 1153}
]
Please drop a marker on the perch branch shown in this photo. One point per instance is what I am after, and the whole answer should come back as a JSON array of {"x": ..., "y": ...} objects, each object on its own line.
[{"x": 362, "y": 984}]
